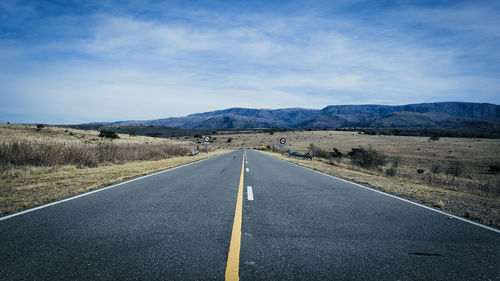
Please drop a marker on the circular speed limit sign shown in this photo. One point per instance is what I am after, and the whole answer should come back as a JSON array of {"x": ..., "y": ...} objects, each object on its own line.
[
  {"x": 207, "y": 139},
  {"x": 282, "y": 140}
]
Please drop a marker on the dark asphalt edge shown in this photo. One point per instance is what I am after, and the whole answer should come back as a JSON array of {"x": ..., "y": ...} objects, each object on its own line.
[
  {"x": 99, "y": 189},
  {"x": 393, "y": 196}
]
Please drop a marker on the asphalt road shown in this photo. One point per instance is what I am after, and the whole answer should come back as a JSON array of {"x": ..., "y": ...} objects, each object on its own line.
[{"x": 301, "y": 225}]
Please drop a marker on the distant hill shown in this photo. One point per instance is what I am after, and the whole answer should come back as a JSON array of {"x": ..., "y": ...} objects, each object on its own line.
[
  {"x": 431, "y": 115},
  {"x": 235, "y": 118},
  {"x": 284, "y": 117},
  {"x": 456, "y": 109}
]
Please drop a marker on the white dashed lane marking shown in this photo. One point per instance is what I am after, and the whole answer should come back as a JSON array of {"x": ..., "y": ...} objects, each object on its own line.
[{"x": 250, "y": 193}]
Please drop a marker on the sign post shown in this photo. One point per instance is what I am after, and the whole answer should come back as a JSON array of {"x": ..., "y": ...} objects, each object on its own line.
[
  {"x": 207, "y": 142},
  {"x": 195, "y": 151},
  {"x": 282, "y": 144}
]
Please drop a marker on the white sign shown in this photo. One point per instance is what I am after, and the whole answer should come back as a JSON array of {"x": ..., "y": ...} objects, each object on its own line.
[
  {"x": 282, "y": 140},
  {"x": 207, "y": 139}
]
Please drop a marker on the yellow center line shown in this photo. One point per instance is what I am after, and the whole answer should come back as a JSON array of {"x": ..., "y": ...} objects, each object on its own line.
[{"x": 233, "y": 257}]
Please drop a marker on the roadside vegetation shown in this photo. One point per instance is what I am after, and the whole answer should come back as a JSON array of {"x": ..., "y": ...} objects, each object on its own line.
[
  {"x": 458, "y": 175},
  {"x": 30, "y": 153},
  {"x": 40, "y": 164}
]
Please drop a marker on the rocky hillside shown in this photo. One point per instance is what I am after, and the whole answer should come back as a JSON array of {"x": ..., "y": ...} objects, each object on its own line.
[
  {"x": 455, "y": 109},
  {"x": 431, "y": 115}
]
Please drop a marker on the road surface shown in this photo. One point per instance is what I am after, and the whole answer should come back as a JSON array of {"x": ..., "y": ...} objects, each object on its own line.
[{"x": 299, "y": 225}]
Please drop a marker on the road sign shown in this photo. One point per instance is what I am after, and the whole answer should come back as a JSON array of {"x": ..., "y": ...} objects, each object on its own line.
[
  {"x": 282, "y": 144},
  {"x": 207, "y": 142}
]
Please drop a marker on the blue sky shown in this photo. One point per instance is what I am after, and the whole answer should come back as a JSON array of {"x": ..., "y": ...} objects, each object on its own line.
[{"x": 84, "y": 61}]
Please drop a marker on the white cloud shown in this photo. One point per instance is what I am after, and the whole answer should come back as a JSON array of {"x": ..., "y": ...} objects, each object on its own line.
[{"x": 131, "y": 68}]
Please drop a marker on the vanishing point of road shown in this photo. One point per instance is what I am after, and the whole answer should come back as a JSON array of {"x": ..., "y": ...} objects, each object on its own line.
[{"x": 243, "y": 215}]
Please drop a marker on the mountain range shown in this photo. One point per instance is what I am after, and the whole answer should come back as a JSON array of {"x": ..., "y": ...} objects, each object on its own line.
[{"x": 429, "y": 115}]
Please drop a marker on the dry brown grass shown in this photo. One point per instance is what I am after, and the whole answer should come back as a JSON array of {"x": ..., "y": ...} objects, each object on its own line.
[
  {"x": 27, "y": 153},
  {"x": 27, "y": 145},
  {"x": 11, "y": 132}
]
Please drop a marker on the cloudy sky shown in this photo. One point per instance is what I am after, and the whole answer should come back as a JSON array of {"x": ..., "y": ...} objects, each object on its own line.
[{"x": 74, "y": 61}]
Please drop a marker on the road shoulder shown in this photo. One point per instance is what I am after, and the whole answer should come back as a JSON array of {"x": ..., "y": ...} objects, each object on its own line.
[
  {"x": 41, "y": 185},
  {"x": 480, "y": 209}
]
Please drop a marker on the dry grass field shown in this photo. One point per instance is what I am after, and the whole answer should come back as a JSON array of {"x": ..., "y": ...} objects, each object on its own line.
[
  {"x": 10, "y": 133},
  {"x": 458, "y": 175},
  {"x": 48, "y": 162}
]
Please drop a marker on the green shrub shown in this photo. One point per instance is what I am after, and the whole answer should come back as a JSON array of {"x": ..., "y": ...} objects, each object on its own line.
[
  {"x": 393, "y": 170},
  {"x": 436, "y": 169},
  {"x": 318, "y": 152},
  {"x": 336, "y": 153},
  {"x": 366, "y": 158},
  {"x": 108, "y": 134},
  {"x": 390, "y": 172},
  {"x": 455, "y": 169},
  {"x": 434, "y": 138},
  {"x": 494, "y": 169}
]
